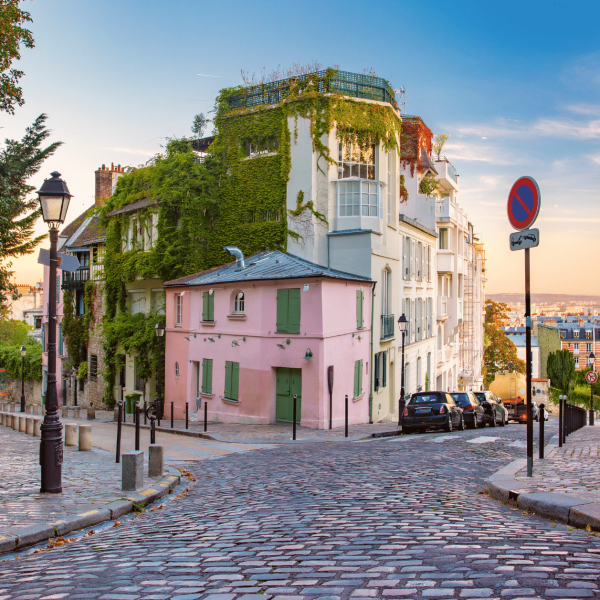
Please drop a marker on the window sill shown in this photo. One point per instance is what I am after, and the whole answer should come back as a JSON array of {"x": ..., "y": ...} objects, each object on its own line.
[
  {"x": 208, "y": 323},
  {"x": 237, "y": 317},
  {"x": 205, "y": 395},
  {"x": 229, "y": 400},
  {"x": 178, "y": 325},
  {"x": 358, "y": 397},
  {"x": 387, "y": 339}
]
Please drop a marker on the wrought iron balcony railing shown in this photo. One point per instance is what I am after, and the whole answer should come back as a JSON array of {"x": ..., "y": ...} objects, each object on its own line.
[{"x": 75, "y": 280}]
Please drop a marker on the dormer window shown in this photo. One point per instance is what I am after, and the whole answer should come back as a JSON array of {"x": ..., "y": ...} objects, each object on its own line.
[{"x": 576, "y": 334}]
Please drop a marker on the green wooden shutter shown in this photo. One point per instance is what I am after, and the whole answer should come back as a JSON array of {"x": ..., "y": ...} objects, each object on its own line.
[
  {"x": 198, "y": 377},
  {"x": 205, "y": 297},
  {"x": 211, "y": 307},
  {"x": 376, "y": 371},
  {"x": 384, "y": 368},
  {"x": 228, "y": 373},
  {"x": 60, "y": 339},
  {"x": 359, "y": 308},
  {"x": 294, "y": 311},
  {"x": 282, "y": 310},
  {"x": 356, "y": 378},
  {"x": 209, "y": 370},
  {"x": 235, "y": 380},
  {"x": 360, "y": 372}
]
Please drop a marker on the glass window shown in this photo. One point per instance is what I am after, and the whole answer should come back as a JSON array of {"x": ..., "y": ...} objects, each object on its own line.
[
  {"x": 356, "y": 161},
  {"x": 238, "y": 304},
  {"x": 358, "y": 198},
  {"x": 176, "y": 369},
  {"x": 178, "y": 309},
  {"x": 443, "y": 238},
  {"x": 138, "y": 302}
]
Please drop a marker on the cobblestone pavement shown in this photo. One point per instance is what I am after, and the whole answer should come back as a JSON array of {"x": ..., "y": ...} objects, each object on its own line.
[
  {"x": 90, "y": 478},
  {"x": 390, "y": 518},
  {"x": 573, "y": 468}
]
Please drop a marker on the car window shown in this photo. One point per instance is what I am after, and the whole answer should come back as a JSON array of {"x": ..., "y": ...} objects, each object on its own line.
[
  {"x": 480, "y": 396},
  {"x": 461, "y": 399},
  {"x": 449, "y": 400},
  {"x": 425, "y": 399}
]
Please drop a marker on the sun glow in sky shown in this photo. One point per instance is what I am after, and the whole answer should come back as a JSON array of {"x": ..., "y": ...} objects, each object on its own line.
[{"x": 515, "y": 84}]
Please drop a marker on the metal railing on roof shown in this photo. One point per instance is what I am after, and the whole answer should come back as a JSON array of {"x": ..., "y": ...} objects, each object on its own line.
[{"x": 341, "y": 82}]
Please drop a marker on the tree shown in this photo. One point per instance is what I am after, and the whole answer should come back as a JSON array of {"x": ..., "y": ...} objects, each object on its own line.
[
  {"x": 561, "y": 369},
  {"x": 199, "y": 125},
  {"x": 20, "y": 160},
  {"x": 438, "y": 143},
  {"x": 500, "y": 354},
  {"x": 12, "y": 35},
  {"x": 14, "y": 333}
]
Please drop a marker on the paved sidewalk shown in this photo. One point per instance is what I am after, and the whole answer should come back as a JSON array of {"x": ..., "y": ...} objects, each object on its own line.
[{"x": 565, "y": 485}]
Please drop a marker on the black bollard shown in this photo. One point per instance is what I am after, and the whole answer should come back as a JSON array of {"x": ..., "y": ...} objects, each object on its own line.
[
  {"x": 171, "y": 415},
  {"x": 346, "y": 418},
  {"x": 152, "y": 429},
  {"x": 136, "y": 412},
  {"x": 560, "y": 421},
  {"x": 401, "y": 405},
  {"x": 187, "y": 415},
  {"x": 294, "y": 419},
  {"x": 205, "y": 416},
  {"x": 145, "y": 414},
  {"x": 120, "y": 405},
  {"x": 541, "y": 439}
]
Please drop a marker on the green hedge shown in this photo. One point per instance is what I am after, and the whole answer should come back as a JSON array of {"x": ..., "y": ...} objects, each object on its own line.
[
  {"x": 10, "y": 359},
  {"x": 579, "y": 396}
]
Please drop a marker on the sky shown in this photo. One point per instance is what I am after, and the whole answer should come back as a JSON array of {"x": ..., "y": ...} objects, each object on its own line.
[{"x": 516, "y": 85}]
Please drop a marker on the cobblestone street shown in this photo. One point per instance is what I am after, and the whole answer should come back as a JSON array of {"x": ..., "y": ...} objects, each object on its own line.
[{"x": 385, "y": 518}]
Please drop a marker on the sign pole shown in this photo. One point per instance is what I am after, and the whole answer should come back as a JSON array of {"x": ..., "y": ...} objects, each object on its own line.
[{"x": 528, "y": 350}]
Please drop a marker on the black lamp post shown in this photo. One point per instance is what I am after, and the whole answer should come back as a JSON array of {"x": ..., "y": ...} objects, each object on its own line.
[
  {"x": 23, "y": 353},
  {"x": 592, "y": 358},
  {"x": 160, "y": 332},
  {"x": 54, "y": 201},
  {"x": 403, "y": 327}
]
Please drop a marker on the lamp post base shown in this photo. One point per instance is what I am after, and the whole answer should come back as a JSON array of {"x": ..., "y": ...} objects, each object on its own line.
[
  {"x": 591, "y": 417},
  {"x": 22, "y": 404},
  {"x": 51, "y": 457}
]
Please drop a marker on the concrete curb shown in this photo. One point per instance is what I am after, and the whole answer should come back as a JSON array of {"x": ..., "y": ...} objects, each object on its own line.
[
  {"x": 20, "y": 537},
  {"x": 219, "y": 438},
  {"x": 573, "y": 509}
]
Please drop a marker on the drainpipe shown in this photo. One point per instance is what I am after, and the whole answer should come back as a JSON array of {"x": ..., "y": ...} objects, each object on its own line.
[{"x": 371, "y": 365}]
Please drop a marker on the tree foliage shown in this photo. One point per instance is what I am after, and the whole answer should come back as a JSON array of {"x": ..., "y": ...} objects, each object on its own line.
[
  {"x": 12, "y": 36},
  {"x": 500, "y": 354},
  {"x": 438, "y": 143},
  {"x": 13, "y": 333},
  {"x": 19, "y": 161},
  {"x": 199, "y": 125},
  {"x": 561, "y": 369}
]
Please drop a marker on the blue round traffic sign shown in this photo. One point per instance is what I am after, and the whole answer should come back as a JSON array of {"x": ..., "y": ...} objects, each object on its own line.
[{"x": 524, "y": 203}]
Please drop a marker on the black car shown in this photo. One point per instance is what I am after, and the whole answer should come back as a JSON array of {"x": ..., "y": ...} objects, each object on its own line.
[
  {"x": 495, "y": 413},
  {"x": 473, "y": 412},
  {"x": 432, "y": 409}
]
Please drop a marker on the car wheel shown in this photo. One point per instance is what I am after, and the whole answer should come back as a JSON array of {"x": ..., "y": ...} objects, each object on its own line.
[
  {"x": 421, "y": 429},
  {"x": 406, "y": 429},
  {"x": 448, "y": 426},
  {"x": 493, "y": 421},
  {"x": 461, "y": 425},
  {"x": 475, "y": 422},
  {"x": 502, "y": 422}
]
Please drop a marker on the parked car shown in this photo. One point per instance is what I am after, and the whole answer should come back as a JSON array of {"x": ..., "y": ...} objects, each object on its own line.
[
  {"x": 495, "y": 412},
  {"x": 473, "y": 412},
  {"x": 536, "y": 411},
  {"x": 432, "y": 409}
]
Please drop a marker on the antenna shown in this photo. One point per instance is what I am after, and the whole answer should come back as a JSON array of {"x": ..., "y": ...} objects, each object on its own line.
[{"x": 401, "y": 98}]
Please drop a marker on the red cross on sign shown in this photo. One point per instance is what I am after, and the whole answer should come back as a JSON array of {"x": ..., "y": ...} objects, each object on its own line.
[{"x": 591, "y": 377}]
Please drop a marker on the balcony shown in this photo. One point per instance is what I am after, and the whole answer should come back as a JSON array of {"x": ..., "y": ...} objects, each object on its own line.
[
  {"x": 442, "y": 308},
  {"x": 445, "y": 261},
  {"x": 447, "y": 174},
  {"x": 75, "y": 280},
  {"x": 335, "y": 82},
  {"x": 387, "y": 327}
]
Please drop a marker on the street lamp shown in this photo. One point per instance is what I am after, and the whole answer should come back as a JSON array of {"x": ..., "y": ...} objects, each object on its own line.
[
  {"x": 403, "y": 327},
  {"x": 592, "y": 358},
  {"x": 54, "y": 199},
  {"x": 160, "y": 332},
  {"x": 23, "y": 353}
]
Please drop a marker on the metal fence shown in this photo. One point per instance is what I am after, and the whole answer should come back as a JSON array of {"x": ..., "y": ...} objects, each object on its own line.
[{"x": 570, "y": 419}]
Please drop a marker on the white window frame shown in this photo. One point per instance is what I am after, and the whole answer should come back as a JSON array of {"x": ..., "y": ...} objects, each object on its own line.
[
  {"x": 178, "y": 310},
  {"x": 369, "y": 169},
  {"x": 239, "y": 303},
  {"x": 366, "y": 188}
]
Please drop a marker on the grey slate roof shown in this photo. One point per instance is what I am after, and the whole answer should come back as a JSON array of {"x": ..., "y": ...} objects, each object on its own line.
[
  {"x": 520, "y": 341},
  {"x": 143, "y": 203},
  {"x": 265, "y": 266}
]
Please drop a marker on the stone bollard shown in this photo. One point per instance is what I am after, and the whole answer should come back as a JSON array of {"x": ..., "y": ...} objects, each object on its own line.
[
  {"x": 76, "y": 412},
  {"x": 70, "y": 434},
  {"x": 39, "y": 409},
  {"x": 37, "y": 423},
  {"x": 15, "y": 422},
  {"x": 116, "y": 415},
  {"x": 65, "y": 411},
  {"x": 3, "y": 419},
  {"x": 28, "y": 409},
  {"x": 155, "y": 460},
  {"x": 12, "y": 408},
  {"x": 133, "y": 470},
  {"x": 29, "y": 425},
  {"x": 85, "y": 437},
  {"x": 91, "y": 413},
  {"x": 22, "y": 424}
]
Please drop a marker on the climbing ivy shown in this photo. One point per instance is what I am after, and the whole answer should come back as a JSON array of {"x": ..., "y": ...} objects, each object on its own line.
[{"x": 415, "y": 137}]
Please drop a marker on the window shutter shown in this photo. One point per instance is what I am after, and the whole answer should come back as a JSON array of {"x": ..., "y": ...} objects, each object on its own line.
[
  {"x": 356, "y": 375},
  {"x": 420, "y": 262},
  {"x": 294, "y": 311},
  {"x": 384, "y": 368},
  {"x": 282, "y": 310},
  {"x": 205, "y": 307},
  {"x": 228, "y": 378},
  {"x": 209, "y": 374},
  {"x": 359, "y": 308},
  {"x": 235, "y": 380},
  {"x": 60, "y": 339},
  {"x": 376, "y": 371},
  {"x": 413, "y": 312},
  {"x": 211, "y": 307},
  {"x": 360, "y": 373},
  {"x": 404, "y": 257},
  {"x": 408, "y": 259},
  {"x": 198, "y": 377},
  {"x": 430, "y": 300},
  {"x": 429, "y": 263},
  {"x": 413, "y": 255}
]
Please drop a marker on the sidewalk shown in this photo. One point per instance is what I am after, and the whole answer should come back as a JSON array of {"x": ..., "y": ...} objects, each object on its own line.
[
  {"x": 565, "y": 485},
  {"x": 274, "y": 433}
]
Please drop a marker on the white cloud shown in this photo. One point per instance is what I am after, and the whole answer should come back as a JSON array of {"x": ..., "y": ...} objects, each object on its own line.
[{"x": 476, "y": 152}]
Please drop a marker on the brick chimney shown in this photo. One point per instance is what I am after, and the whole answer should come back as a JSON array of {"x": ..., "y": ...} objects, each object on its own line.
[{"x": 106, "y": 180}]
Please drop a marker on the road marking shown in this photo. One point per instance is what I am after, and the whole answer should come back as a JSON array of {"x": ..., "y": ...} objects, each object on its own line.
[
  {"x": 443, "y": 438},
  {"x": 483, "y": 440}
]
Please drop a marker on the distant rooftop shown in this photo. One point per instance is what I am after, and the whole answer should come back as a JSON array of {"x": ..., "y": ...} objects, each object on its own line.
[{"x": 342, "y": 82}]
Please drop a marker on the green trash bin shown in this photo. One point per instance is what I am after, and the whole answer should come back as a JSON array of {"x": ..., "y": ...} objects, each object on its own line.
[{"x": 130, "y": 400}]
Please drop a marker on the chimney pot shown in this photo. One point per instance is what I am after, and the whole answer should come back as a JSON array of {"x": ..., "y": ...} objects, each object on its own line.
[{"x": 103, "y": 167}]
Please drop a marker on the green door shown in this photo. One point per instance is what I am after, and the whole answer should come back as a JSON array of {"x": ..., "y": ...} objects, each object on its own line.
[{"x": 289, "y": 382}]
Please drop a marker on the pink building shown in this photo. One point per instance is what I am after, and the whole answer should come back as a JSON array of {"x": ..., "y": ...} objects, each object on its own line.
[{"x": 247, "y": 336}]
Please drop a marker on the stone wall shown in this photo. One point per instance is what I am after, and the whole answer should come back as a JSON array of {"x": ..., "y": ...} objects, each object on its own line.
[
  {"x": 549, "y": 340},
  {"x": 33, "y": 392}
]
